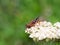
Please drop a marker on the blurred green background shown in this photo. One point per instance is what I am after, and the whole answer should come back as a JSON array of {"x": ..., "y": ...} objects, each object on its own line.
[{"x": 15, "y": 14}]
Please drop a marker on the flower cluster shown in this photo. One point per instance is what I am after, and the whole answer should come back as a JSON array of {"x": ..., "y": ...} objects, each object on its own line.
[{"x": 44, "y": 30}]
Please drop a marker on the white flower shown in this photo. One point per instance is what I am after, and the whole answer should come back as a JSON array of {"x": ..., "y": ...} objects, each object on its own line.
[
  {"x": 44, "y": 30},
  {"x": 57, "y": 24}
]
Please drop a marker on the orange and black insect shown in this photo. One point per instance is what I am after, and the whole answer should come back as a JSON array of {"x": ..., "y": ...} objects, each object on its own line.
[{"x": 32, "y": 23}]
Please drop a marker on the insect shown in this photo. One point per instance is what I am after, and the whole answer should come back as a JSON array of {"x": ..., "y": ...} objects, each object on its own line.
[{"x": 32, "y": 23}]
